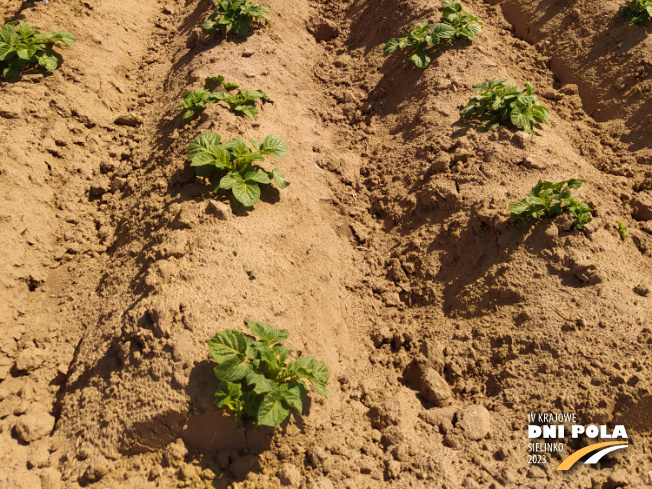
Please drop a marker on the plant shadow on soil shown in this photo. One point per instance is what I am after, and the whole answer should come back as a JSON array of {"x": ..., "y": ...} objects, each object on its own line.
[
  {"x": 389, "y": 93},
  {"x": 463, "y": 265},
  {"x": 385, "y": 17},
  {"x": 639, "y": 124},
  {"x": 194, "y": 191},
  {"x": 217, "y": 441}
]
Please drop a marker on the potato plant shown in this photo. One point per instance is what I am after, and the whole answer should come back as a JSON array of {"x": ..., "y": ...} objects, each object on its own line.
[
  {"x": 235, "y": 16},
  {"x": 233, "y": 160},
  {"x": 21, "y": 46},
  {"x": 453, "y": 25},
  {"x": 241, "y": 103},
  {"x": 498, "y": 103},
  {"x": 548, "y": 199},
  {"x": 256, "y": 381},
  {"x": 638, "y": 12}
]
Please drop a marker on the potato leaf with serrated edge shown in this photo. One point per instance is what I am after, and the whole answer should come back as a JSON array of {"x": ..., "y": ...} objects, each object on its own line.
[
  {"x": 274, "y": 147},
  {"x": 269, "y": 334},
  {"x": 227, "y": 345},
  {"x": 206, "y": 149},
  {"x": 279, "y": 179},
  {"x": 313, "y": 370}
]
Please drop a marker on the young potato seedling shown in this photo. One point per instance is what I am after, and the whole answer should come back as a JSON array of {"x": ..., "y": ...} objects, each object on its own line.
[
  {"x": 241, "y": 103},
  {"x": 234, "y": 160},
  {"x": 547, "y": 199},
  {"x": 256, "y": 381},
  {"x": 638, "y": 12},
  {"x": 498, "y": 103},
  {"x": 22, "y": 45},
  {"x": 622, "y": 230},
  {"x": 453, "y": 25},
  {"x": 236, "y": 16}
]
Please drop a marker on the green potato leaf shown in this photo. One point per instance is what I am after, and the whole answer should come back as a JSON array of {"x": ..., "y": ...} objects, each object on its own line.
[
  {"x": 279, "y": 179},
  {"x": 394, "y": 44},
  {"x": 313, "y": 370},
  {"x": 48, "y": 62},
  {"x": 230, "y": 179},
  {"x": 206, "y": 149},
  {"x": 273, "y": 410},
  {"x": 274, "y": 147},
  {"x": 444, "y": 31},
  {"x": 227, "y": 345},
  {"x": 257, "y": 175},
  {"x": 64, "y": 36},
  {"x": 261, "y": 384},
  {"x": 210, "y": 80},
  {"x": 247, "y": 192},
  {"x": 235, "y": 368},
  {"x": 292, "y": 396},
  {"x": 247, "y": 110},
  {"x": 420, "y": 59},
  {"x": 5, "y": 51},
  {"x": 229, "y": 395},
  {"x": 267, "y": 333}
]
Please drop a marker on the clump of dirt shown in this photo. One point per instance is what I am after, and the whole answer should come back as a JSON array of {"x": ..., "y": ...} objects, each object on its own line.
[{"x": 391, "y": 255}]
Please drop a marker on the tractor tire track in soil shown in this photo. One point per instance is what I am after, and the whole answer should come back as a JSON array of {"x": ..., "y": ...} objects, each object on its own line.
[{"x": 390, "y": 256}]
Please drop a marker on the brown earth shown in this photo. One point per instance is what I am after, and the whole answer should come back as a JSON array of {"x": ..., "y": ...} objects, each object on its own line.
[{"x": 390, "y": 256}]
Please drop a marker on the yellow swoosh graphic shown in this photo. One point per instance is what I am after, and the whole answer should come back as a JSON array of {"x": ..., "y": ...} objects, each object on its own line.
[{"x": 574, "y": 457}]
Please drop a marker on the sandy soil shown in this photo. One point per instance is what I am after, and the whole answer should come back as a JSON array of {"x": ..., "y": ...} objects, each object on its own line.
[{"x": 390, "y": 256}]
